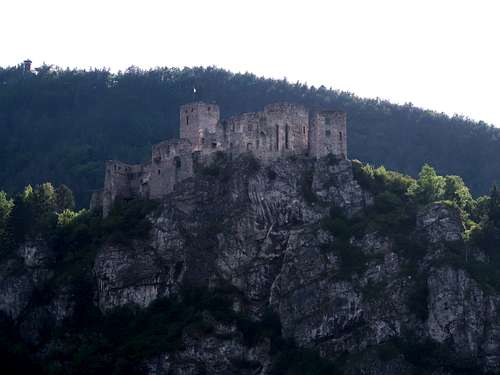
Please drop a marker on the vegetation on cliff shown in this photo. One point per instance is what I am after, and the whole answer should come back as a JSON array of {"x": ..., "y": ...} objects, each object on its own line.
[
  {"x": 61, "y": 125},
  {"x": 122, "y": 340}
]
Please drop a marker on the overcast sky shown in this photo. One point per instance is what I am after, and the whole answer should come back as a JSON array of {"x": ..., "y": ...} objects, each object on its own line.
[{"x": 439, "y": 54}]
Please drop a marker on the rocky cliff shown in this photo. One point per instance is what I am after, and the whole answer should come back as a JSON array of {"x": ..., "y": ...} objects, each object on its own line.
[{"x": 302, "y": 272}]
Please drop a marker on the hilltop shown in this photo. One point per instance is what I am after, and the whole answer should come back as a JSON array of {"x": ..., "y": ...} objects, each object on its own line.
[{"x": 61, "y": 125}]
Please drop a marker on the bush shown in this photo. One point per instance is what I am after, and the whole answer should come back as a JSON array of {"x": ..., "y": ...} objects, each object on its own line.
[{"x": 128, "y": 220}]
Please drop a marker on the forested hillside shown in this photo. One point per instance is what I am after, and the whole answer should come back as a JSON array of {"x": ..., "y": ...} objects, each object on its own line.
[{"x": 60, "y": 125}]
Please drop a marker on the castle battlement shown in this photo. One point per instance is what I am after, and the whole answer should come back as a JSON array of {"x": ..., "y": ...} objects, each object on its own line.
[{"x": 280, "y": 130}]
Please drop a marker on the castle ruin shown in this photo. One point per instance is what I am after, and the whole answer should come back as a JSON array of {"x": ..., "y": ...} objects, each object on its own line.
[{"x": 280, "y": 130}]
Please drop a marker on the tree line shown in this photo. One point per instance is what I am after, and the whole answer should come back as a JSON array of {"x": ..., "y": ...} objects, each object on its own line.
[{"x": 61, "y": 125}]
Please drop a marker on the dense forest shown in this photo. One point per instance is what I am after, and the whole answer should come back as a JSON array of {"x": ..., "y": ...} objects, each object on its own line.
[{"x": 60, "y": 125}]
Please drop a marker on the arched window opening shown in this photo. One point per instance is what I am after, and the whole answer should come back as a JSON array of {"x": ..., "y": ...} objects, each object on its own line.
[
  {"x": 249, "y": 146},
  {"x": 187, "y": 120},
  {"x": 340, "y": 136}
]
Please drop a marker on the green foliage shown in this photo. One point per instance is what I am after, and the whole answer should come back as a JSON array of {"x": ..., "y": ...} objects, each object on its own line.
[
  {"x": 62, "y": 124},
  {"x": 34, "y": 212},
  {"x": 68, "y": 217},
  {"x": 392, "y": 213},
  {"x": 456, "y": 191},
  {"x": 352, "y": 259},
  {"x": 128, "y": 220},
  {"x": 6, "y": 205},
  {"x": 378, "y": 180},
  {"x": 487, "y": 234},
  {"x": 429, "y": 187},
  {"x": 64, "y": 198}
]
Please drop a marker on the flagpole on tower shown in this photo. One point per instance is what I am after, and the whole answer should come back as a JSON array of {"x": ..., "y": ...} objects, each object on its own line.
[{"x": 194, "y": 94}]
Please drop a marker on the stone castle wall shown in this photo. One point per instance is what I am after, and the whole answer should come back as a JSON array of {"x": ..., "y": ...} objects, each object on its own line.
[
  {"x": 281, "y": 129},
  {"x": 171, "y": 162},
  {"x": 197, "y": 121},
  {"x": 328, "y": 134},
  {"x": 124, "y": 181}
]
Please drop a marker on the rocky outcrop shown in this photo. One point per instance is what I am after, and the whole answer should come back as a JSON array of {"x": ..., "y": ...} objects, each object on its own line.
[
  {"x": 440, "y": 222},
  {"x": 222, "y": 351},
  {"x": 21, "y": 274},
  {"x": 334, "y": 183},
  {"x": 258, "y": 233},
  {"x": 462, "y": 315}
]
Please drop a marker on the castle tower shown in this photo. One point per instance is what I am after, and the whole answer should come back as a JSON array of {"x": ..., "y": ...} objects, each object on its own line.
[
  {"x": 172, "y": 162},
  {"x": 287, "y": 128},
  {"x": 198, "y": 123},
  {"x": 327, "y": 134}
]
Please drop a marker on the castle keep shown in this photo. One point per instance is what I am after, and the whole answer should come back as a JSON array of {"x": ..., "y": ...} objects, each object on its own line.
[{"x": 281, "y": 129}]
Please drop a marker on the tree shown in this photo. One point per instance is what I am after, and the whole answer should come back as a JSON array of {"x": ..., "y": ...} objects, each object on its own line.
[
  {"x": 34, "y": 212},
  {"x": 494, "y": 207},
  {"x": 458, "y": 192},
  {"x": 64, "y": 198},
  {"x": 6, "y": 206},
  {"x": 429, "y": 187}
]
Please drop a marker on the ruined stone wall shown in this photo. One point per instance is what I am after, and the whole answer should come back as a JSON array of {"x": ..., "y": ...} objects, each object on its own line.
[
  {"x": 281, "y": 129},
  {"x": 196, "y": 121},
  {"x": 328, "y": 134},
  {"x": 287, "y": 127},
  {"x": 242, "y": 133},
  {"x": 96, "y": 200},
  {"x": 172, "y": 161},
  {"x": 116, "y": 183}
]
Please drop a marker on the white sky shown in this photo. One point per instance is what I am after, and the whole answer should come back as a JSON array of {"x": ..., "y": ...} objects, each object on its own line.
[{"x": 439, "y": 54}]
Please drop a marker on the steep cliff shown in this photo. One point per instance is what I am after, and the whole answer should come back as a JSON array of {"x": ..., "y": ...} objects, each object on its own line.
[{"x": 291, "y": 267}]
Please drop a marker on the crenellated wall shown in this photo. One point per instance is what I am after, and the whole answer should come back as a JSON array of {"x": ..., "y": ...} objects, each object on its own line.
[{"x": 280, "y": 130}]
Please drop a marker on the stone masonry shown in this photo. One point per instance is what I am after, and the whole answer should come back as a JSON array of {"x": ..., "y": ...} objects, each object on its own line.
[{"x": 280, "y": 130}]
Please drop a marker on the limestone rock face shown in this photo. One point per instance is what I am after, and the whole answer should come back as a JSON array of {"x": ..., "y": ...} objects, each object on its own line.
[
  {"x": 439, "y": 222},
  {"x": 334, "y": 182},
  {"x": 221, "y": 352},
  {"x": 259, "y": 231},
  {"x": 21, "y": 274},
  {"x": 462, "y": 314}
]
